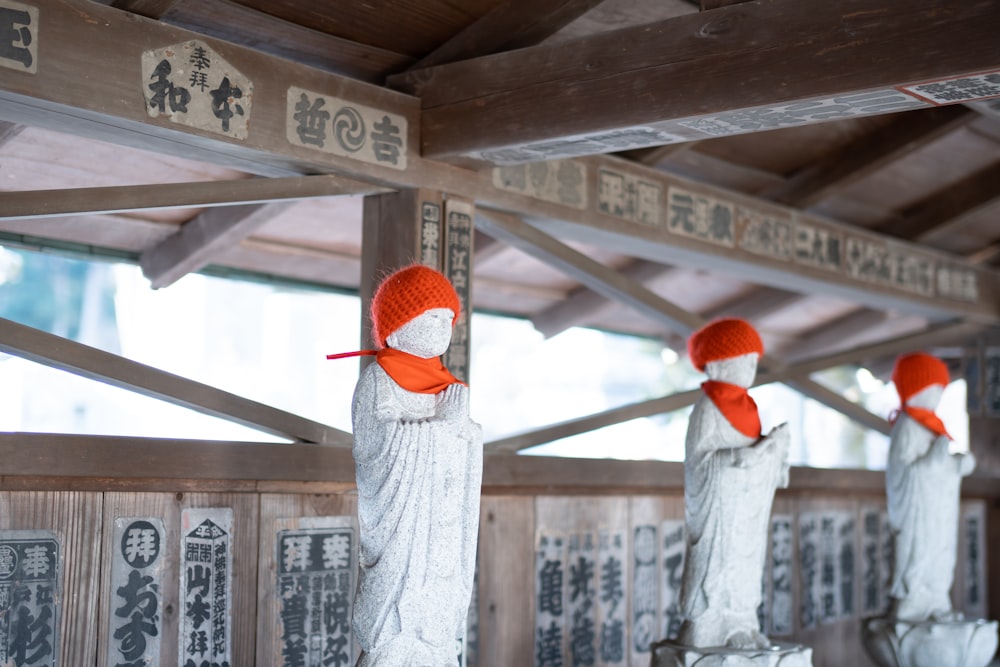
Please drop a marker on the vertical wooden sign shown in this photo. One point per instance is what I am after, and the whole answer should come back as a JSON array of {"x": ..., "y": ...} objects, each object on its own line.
[
  {"x": 206, "y": 586},
  {"x": 315, "y": 567},
  {"x": 30, "y": 597},
  {"x": 550, "y": 619},
  {"x": 612, "y": 573},
  {"x": 459, "y": 226},
  {"x": 672, "y": 560},
  {"x": 782, "y": 610},
  {"x": 137, "y": 563}
]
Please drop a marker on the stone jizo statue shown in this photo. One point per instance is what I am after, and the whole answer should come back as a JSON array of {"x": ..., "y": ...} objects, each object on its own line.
[
  {"x": 923, "y": 480},
  {"x": 418, "y": 460},
  {"x": 730, "y": 473}
]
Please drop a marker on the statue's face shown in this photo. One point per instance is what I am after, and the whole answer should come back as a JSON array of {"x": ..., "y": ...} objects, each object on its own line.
[
  {"x": 424, "y": 336},
  {"x": 739, "y": 370},
  {"x": 927, "y": 398}
]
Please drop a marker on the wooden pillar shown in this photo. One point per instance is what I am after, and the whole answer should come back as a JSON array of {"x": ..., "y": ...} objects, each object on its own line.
[
  {"x": 398, "y": 229},
  {"x": 419, "y": 226},
  {"x": 982, "y": 376}
]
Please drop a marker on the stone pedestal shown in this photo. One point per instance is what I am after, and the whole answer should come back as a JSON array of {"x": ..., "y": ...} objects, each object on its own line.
[
  {"x": 671, "y": 654},
  {"x": 958, "y": 643}
]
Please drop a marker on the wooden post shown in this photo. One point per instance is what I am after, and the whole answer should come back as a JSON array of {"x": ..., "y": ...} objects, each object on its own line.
[
  {"x": 982, "y": 377},
  {"x": 399, "y": 229}
]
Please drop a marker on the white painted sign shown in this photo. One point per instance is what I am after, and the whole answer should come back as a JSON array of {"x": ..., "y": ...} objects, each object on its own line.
[
  {"x": 956, "y": 89},
  {"x": 18, "y": 36},
  {"x": 558, "y": 181},
  {"x": 315, "y": 571},
  {"x": 30, "y": 597},
  {"x": 782, "y": 548},
  {"x": 803, "y": 112},
  {"x": 701, "y": 217},
  {"x": 644, "y": 591},
  {"x": 192, "y": 85},
  {"x": 206, "y": 596},
  {"x": 344, "y": 128},
  {"x": 136, "y": 618},
  {"x": 672, "y": 560},
  {"x": 611, "y": 599},
  {"x": 550, "y": 617},
  {"x": 763, "y": 234},
  {"x": 630, "y": 197},
  {"x": 581, "y": 598}
]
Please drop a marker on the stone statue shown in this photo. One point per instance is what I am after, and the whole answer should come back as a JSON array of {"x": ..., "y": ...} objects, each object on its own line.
[
  {"x": 922, "y": 489},
  {"x": 730, "y": 474},
  {"x": 418, "y": 460},
  {"x": 923, "y": 480}
]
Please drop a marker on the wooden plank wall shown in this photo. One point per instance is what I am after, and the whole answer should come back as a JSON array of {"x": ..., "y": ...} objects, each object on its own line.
[{"x": 513, "y": 527}]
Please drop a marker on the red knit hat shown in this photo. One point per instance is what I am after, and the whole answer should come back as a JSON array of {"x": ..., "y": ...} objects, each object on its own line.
[
  {"x": 723, "y": 339},
  {"x": 407, "y": 294},
  {"x": 916, "y": 371}
]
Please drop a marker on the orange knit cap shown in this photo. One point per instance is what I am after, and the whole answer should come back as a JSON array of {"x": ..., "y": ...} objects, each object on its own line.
[
  {"x": 408, "y": 294},
  {"x": 916, "y": 371},
  {"x": 723, "y": 339}
]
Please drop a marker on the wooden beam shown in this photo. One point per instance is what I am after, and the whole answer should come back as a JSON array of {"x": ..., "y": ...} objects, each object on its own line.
[
  {"x": 936, "y": 334},
  {"x": 598, "y": 420},
  {"x": 25, "y": 204},
  {"x": 201, "y": 239},
  {"x": 651, "y": 157},
  {"x": 598, "y": 93},
  {"x": 8, "y": 131},
  {"x": 512, "y": 24},
  {"x": 838, "y": 334},
  {"x": 64, "y": 455},
  {"x": 909, "y": 133},
  {"x": 757, "y": 305},
  {"x": 835, "y": 401},
  {"x": 249, "y": 27},
  {"x": 598, "y": 277},
  {"x": 677, "y": 230},
  {"x": 63, "y": 95},
  {"x": 795, "y": 373},
  {"x": 945, "y": 209},
  {"x": 67, "y": 355},
  {"x": 583, "y": 302}
]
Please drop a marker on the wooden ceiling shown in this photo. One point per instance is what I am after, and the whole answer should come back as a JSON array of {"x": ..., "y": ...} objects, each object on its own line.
[{"x": 875, "y": 122}]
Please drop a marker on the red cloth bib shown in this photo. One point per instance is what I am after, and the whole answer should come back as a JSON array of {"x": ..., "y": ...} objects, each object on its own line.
[
  {"x": 736, "y": 405},
  {"x": 413, "y": 373},
  {"x": 927, "y": 419}
]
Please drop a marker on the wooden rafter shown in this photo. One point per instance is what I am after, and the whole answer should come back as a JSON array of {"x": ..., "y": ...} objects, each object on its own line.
[
  {"x": 797, "y": 373},
  {"x": 27, "y": 204},
  {"x": 834, "y": 335},
  {"x": 199, "y": 240},
  {"x": 513, "y": 24},
  {"x": 909, "y": 133},
  {"x": 53, "y": 97},
  {"x": 943, "y": 210},
  {"x": 89, "y": 362},
  {"x": 593, "y": 274},
  {"x": 612, "y": 284},
  {"x": 583, "y": 302},
  {"x": 546, "y": 94}
]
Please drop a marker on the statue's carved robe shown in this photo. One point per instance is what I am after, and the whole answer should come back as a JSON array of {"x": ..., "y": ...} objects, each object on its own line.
[
  {"x": 729, "y": 482},
  {"x": 922, "y": 488},
  {"x": 419, "y": 481}
]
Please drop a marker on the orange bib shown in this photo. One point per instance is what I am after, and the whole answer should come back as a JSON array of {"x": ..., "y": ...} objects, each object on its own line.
[
  {"x": 736, "y": 405},
  {"x": 412, "y": 373}
]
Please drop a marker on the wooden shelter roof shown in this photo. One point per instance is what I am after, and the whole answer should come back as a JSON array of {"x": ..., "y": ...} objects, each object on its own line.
[{"x": 853, "y": 147}]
